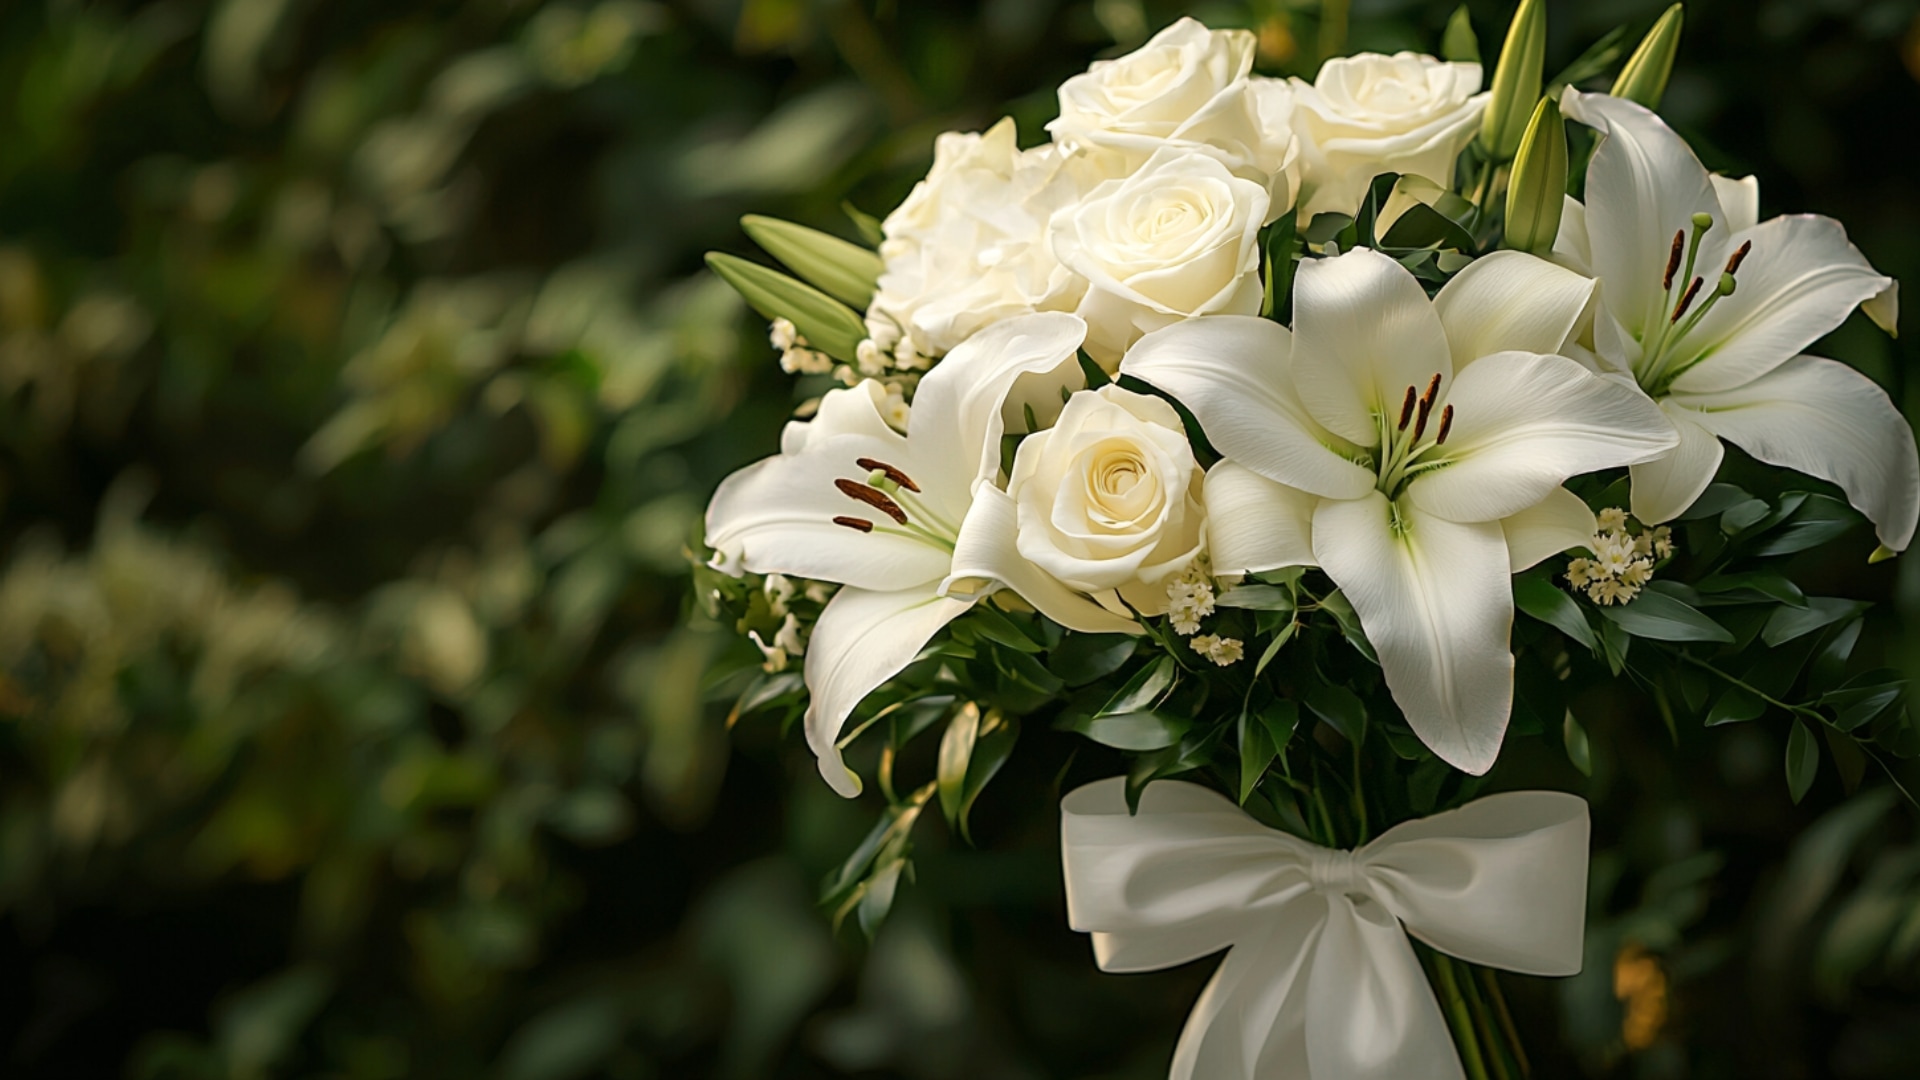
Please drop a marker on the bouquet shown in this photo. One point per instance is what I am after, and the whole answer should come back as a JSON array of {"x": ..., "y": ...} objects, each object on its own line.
[{"x": 1305, "y": 444}]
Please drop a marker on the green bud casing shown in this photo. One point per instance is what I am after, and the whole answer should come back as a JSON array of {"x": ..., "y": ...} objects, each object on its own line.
[
  {"x": 1458, "y": 44},
  {"x": 1644, "y": 78},
  {"x": 1537, "y": 194},
  {"x": 1516, "y": 81},
  {"x": 847, "y": 272},
  {"x": 826, "y": 323}
]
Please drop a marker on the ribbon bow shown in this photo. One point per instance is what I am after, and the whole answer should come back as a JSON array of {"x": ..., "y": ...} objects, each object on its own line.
[{"x": 1321, "y": 981}]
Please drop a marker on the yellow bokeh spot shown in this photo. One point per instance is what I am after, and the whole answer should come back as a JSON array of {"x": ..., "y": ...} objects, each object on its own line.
[
  {"x": 1641, "y": 985},
  {"x": 1277, "y": 44}
]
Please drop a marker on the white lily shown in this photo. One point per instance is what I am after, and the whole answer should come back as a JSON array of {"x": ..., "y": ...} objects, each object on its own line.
[
  {"x": 1708, "y": 309},
  {"x": 894, "y": 518},
  {"x": 1412, "y": 449}
]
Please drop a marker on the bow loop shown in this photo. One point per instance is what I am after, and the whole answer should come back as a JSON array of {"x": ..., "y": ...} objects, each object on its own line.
[{"x": 1320, "y": 980}]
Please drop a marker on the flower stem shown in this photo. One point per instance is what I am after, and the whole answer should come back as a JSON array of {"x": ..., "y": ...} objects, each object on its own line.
[
  {"x": 1333, "y": 28},
  {"x": 1491, "y": 983},
  {"x": 1456, "y": 1007},
  {"x": 1483, "y": 1026}
]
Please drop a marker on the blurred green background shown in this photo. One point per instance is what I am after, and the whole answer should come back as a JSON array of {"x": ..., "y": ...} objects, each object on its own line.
[{"x": 360, "y": 391}]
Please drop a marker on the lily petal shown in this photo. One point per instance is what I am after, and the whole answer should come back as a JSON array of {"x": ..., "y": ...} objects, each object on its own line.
[
  {"x": 1254, "y": 524},
  {"x": 1560, "y": 522},
  {"x": 1363, "y": 331},
  {"x": 1235, "y": 373},
  {"x": 1803, "y": 279},
  {"x": 1523, "y": 424},
  {"x": 1884, "y": 309},
  {"x": 777, "y": 516},
  {"x": 1665, "y": 487},
  {"x": 1644, "y": 185},
  {"x": 1511, "y": 300},
  {"x": 986, "y": 552},
  {"x": 1740, "y": 199},
  {"x": 959, "y": 409},
  {"x": 864, "y": 638},
  {"x": 1573, "y": 249},
  {"x": 856, "y": 410},
  {"x": 1827, "y": 420},
  {"x": 1436, "y": 601}
]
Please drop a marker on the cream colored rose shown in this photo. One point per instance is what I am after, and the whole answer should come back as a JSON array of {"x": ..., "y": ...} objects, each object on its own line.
[
  {"x": 1109, "y": 498},
  {"x": 968, "y": 247},
  {"x": 1371, "y": 114},
  {"x": 1189, "y": 88},
  {"x": 1177, "y": 239}
]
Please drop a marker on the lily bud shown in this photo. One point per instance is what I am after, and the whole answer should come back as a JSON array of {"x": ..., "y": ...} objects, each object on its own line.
[
  {"x": 844, "y": 271},
  {"x": 1516, "y": 81},
  {"x": 1644, "y": 78},
  {"x": 1882, "y": 554},
  {"x": 1538, "y": 192},
  {"x": 826, "y": 323},
  {"x": 1459, "y": 45}
]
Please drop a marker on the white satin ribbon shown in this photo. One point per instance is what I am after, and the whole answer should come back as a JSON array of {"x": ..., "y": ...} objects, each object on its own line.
[{"x": 1320, "y": 980}]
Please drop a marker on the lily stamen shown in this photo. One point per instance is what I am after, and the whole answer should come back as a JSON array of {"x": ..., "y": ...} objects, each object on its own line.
[
  {"x": 872, "y": 497},
  {"x": 1686, "y": 299},
  {"x": 1738, "y": 257},
  {"x": 1426, "y": 407},
  {"x": 1446, "y": 425},
  {"x": 1673, "y": 258},
  {"x": 1406, "y": 408},
  {"x": 854, "y": 523},
  {"x": 892, "y": 473}
]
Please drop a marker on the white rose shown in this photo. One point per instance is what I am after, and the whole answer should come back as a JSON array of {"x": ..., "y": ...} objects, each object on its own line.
[
  {"x": 968, "y": 247},
  {"x": 1177, "y": 239},
  {"x": 1188, "y": 87},
  {"x": 1109, "y": 498},
  {"x": 1371, "y": 114}
]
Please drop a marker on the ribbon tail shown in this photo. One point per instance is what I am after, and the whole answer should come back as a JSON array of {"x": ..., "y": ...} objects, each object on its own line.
[
  {"x": 1370, "y": 1012},
  {"x": 1251, "y": 1019}
]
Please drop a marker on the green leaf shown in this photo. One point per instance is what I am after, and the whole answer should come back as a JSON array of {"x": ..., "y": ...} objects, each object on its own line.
[
  {"x": 1459, "y": 45},
  {"x": 866, "y": 224},
  {"x": 1788, "y": 623},
  {"x": 998, "y": 628},
  {"x": 846, "y": 272},
  {"x": 1818, "y": 520},
  {"x": 991, "y": 751},
  {"x": 1863, "y": 698},
  {"x": 1257, "y": 598},
  {"x": 1422, "y": 226},
  {"x": 1717, "y": 499},
  {"x": 1539, "y": 598},
  {"x": 1256, "y": 752},
  {"x": 1803, "y": 761},
  {"x": 1278, "y": 283},
  {"x": 1743, "y": 515},
  {"x": 1660, "y": 617},
  {"x": 1337, "y": 605},
  {"x": 1273, "y": 647},
  {"x": 826, "y": 323},
  {"x": 1598, "y": 58},
  {"x": 1342, "y": 711},
  {"x": 1135, "y": 731},
  {"x": 1144, "y": 690},
  {"x": 1736, "y": 706},
  {"x": 1083, "y": 658},
  {"x": 956, "y": 752},
  {"x": 877, "y": 898},
  {"x": 1615, "y": 642},
  {"x": 1830, "y": 666},
  {"x": 1579, "y": 750},
  {"x": 1752, "y": 587}
]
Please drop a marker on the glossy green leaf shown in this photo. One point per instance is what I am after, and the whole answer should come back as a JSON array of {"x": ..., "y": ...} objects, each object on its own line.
[
  {"x": 1579, "y": 750},
  {"x": 1787, "y": 623},
  {"x": 1539, "y": 598},
  {"x": 1342, "y": 711},
  {"x": 1144, "y": 690},
  {"x": 1803, "y": 760},
  {"x": 1662, "y": 618},
  {"x": 1083, "y": 658}
]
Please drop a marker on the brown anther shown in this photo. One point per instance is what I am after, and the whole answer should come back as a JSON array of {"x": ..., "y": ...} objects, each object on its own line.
[
  {"x": 893, "y": 474},
  {"x": 1426, "y": 406},
  {"x": 1406, "y": 408},
  {"x": 854, "y": 523},
  {"x": 1673, "y": 258},
  {"x": 1738, "y": 257},
  {"x": 873, "y": 497},
  {"x": 1686, "y": 299},
  {"x": 1446, "y": 425}
]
